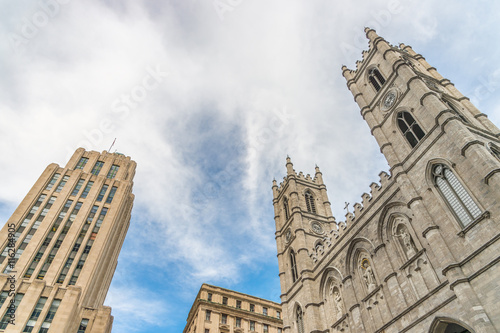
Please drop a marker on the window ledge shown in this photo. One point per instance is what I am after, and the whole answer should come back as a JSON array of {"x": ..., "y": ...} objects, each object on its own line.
[{"x": 485, "y": 215}]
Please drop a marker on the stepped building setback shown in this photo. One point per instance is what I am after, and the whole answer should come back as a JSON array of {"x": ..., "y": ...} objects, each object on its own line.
[
  {"x": 420, "y": 253},
  {"x": 59, "y": 249}
]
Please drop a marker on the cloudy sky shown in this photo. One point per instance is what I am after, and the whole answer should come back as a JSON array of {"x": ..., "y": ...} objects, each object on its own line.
[{"x": 208, "y": 97}]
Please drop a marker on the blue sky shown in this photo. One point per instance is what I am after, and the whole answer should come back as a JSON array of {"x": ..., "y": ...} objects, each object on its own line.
[{"x": 224, "y": 91}]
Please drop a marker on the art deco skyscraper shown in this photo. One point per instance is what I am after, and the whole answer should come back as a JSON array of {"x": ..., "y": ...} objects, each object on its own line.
[{"x": 59, "y": 249}]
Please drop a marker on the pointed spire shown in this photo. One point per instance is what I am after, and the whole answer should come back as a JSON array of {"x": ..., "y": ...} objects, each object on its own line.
[
  {"x": 289, "y": 166},
  {"x": 318, "y": 175},
  {"x": 371, "y": 34}
]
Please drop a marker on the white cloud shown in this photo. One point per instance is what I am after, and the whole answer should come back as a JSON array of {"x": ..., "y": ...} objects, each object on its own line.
[{"x": 208, "y": 140}]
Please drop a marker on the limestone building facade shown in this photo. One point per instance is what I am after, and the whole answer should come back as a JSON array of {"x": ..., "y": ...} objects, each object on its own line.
[
  {"x": 59, "y": 249},
  {"x": 421, "y": 252},
  {"x": 217, "y": 310}
]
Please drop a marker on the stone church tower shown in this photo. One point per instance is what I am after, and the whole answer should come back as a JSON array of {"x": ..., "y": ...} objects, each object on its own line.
[{"x": 420, "y": 253}]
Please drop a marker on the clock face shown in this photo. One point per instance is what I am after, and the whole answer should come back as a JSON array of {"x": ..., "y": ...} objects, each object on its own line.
[
  {"x": 316, "y": 227},
  {"x": 389, "y": 99},
  {"x": 288, "y": 235}
]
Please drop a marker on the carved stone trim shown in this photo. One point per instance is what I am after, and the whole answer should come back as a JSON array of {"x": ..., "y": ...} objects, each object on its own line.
[
  {"x": 413, "y": 200},
  {"x": 489, "y": 175},
  {"x": 384, "y": 145},
  {"x": 472, "y": 255},
  {"x": 348, "y": 277},
  {"x": 354, "y": 307},
  {"x": 337, "y": 323},
  {"x": 469, "y": 144},
  {"x": 412, "y": 259},
  {"x": 429, "y": 228},
  {"x": 416, "y": 304},
  {"x": 471, "y": 225},
  {"x": 373, "y": 292},
  {"x": 424, "y": 96},
  {"x": 389, "y": 276},
  {"x": 378, "y": 248}
]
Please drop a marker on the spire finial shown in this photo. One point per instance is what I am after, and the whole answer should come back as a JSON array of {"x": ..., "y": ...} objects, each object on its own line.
[{"x": 289, "y": 166}]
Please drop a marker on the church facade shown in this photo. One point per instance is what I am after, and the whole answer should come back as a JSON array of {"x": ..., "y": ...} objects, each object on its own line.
[{"x": 421, "y": 252}]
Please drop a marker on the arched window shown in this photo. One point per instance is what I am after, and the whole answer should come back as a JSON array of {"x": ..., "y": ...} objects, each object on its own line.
[
  {"x": 285, "y": 207},
  {"x": 455, "y": 194},
  {"x": 494, "y": 150},
  {"x": 300, "y": 320},
  {"x": 311, "y": 208},
  {"x": 293, "y": 265},
  {"x": 409, "y": 127},
  {"x": 455, "y": 111},
  {"x": 376, "y": 79}
]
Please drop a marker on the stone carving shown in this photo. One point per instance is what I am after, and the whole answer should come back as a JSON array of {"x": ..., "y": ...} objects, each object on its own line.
[
  {"x": 407, "y": 242},
  {"x": 368, "y": 275}
]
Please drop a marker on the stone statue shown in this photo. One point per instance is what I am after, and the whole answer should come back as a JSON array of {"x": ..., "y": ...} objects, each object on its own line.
[
  {"x": 338, "y": 302},
  {"x": 368, "y": 276},
  {"x": 409, "y": 247}
]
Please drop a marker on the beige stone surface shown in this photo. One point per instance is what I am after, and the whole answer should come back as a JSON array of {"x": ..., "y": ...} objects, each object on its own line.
[
  {"x": 52, "y": 243},
  {"x": 401, "y": 260}
]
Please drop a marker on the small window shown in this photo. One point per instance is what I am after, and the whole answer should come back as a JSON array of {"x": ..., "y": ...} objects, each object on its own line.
[
  {"x": 252, "y": 325},
  {"x": 209, "y": 297},
  {"x": 224, "y": 300},
  {"x": 52, "y": 181},
  {"x": 293, "y": 266},
  {"x": 278, "y": 314},
  {"x": 266, "y": 328},
  {"x": 409, "y": 128},
  {"x": 311, "y": 208},
  {"x": 87, "y": 190},
  {"x": 238, "y": 304},
  {"x": 376, "y": 78},
  {"x": 97, "y": 168},
  {"x": 224, "y": 319},
  {"x": 264, "y": 311},
  {"x": 111, "y": 194},
  {"x": 81, "y": 163},
  {"x": 102, "y": 193},
  {"x": 207, "y": 315},
  {"x": 285, "y": 208},
  {"x": 207, "y": 330},
  {"x": 83, "y": 325},
  {"x": 455, "y": 194},
  {"x": 238, "y": 322},
  {"x": 112, "y": 172},
  {"x": 62, "y": 183},
  {"x": 77, "y": 188},
  {"x": 299, "y": 320},
  {"x": 252, "y": 307},
  {"x": 494, "y": 150},
  {"x": 280, "y": 330}
]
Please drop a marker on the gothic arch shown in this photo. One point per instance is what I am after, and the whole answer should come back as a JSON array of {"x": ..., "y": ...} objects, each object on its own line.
[
  {"x": 329, "y": 274},
  {"x": 331, "y": 294},
  {"x": 453, "y": 192},
  {"x": 440, "y": 324},
  {"x": 357, "y": 244},
  {"x": 382, "y": 222}
]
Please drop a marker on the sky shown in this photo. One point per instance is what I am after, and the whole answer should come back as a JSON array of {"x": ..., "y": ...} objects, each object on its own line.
[{"x": 209, "y": 97}]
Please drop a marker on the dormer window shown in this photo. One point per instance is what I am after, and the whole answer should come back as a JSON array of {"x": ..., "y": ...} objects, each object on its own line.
[{"x": 376, "y": 78}]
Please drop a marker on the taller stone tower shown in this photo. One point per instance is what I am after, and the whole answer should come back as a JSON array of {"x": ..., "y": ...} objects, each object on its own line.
[
  {"x": 420, "y": 252},
  {"x": 59, "y": 249}
]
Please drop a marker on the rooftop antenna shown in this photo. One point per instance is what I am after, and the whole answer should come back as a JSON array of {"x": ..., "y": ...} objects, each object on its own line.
[{"x": 112, "y": 145}]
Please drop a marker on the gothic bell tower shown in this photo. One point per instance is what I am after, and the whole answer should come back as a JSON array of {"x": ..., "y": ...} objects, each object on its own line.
[
  {"x": 303, "y": 219},
  {"x": 401, "y": 95}
]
